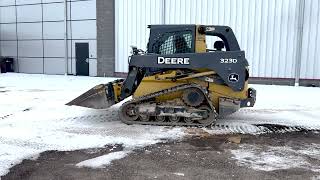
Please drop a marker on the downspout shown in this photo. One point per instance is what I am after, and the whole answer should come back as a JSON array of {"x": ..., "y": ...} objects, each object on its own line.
[
  {"x": 163, "y": 11},
  {"x": 65, "y": 37},
  {"x": 301, "y": 6}
]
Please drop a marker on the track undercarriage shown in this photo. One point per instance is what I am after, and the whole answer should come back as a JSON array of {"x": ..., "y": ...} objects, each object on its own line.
[{"x": 192, "y": 108}]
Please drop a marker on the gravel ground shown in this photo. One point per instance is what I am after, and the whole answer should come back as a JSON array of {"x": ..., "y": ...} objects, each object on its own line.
[{"x": 200, "y": 156}]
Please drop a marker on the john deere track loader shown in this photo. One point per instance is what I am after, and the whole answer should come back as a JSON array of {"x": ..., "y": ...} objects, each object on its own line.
[{"x": 178, "y": 80}]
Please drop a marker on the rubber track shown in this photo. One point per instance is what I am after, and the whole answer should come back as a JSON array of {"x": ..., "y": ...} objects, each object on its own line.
[{"x": 143, "y": 99}]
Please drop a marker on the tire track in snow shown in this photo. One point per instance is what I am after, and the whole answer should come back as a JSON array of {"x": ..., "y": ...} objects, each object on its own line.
[
  {"x": 9, "y": 115},
  {"x": 5, "y": 116},
  {"x": 25, "y": 144},
  {"x": 242, "y": 128},
  {"x": 233, "y": 126},
  {"x": 98, "y": 117},
  {"x": 230, "y": 124}
]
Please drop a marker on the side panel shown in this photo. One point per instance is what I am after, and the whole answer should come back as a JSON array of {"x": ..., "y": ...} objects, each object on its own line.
[{"x": 232, "y": 72}]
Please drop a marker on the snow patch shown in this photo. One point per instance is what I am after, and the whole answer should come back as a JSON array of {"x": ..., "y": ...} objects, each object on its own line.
[
  {"x": 315, "y": 178},
  {"x": 11, "y": 155},
  {"x": 178, "y": 174},
  {"x": 102, "y": 161},
  {"x": 50, "y": 125},
  {"x": 276, "y": 157}
]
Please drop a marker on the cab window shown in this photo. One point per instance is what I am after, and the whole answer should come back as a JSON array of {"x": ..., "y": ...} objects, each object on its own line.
[{"x": 174, "y": 42}]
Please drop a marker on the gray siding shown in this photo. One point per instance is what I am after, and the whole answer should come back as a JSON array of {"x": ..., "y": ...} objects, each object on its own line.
[
  {"x": 105, "y": 38},
  {"x": 32, "y": 31},
  {"x": 267, "y": 30}
]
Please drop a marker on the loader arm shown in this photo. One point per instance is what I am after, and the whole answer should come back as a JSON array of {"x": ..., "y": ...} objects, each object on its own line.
[
  {"x": 103, "y": 96},
  {"x": 131, "y": 83}
]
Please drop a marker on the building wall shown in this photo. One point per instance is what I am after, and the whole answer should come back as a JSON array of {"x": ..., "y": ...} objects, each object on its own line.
[
  {"x": 264, "y": 29},
  {"x": 32, "y": 31},
  {"x": 267, "y": 30},
  {"x": 131, "y": 20},
  {"x": 106, "y": 37},
  {"x": 310, "y": 63}
]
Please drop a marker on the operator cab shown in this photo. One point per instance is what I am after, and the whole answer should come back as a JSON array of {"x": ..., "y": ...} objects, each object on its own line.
[
  {"x": 174, "y": 39},
  {"x": 181, "y": 39}
]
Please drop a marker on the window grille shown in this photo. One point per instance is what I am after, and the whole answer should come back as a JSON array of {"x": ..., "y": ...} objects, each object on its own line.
[{"x": 174, "y": 42}]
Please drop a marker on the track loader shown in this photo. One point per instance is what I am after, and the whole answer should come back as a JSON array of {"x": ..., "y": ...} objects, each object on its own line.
[{"x": 178, "y": 80}]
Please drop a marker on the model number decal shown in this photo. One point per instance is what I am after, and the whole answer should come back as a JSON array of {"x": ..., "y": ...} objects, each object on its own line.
[{"x": 228, "y": 61}]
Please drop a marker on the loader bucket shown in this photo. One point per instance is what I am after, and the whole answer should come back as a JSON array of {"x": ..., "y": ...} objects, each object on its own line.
[{"x": 99, "y": 97}]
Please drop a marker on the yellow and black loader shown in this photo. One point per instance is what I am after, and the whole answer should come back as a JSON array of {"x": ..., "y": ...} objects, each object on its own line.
[{"x": 178, "y": 80}]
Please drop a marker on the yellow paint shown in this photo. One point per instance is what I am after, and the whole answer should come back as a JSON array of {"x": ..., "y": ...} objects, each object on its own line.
[
  {"x": 200, "y": 42},
  {"x": 159, "y": 82},
  {"x": 117, "y": 91},
  {"x": 217, "y": 91}
]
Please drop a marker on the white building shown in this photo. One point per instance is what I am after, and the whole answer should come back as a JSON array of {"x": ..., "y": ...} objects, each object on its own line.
[
  {"x": 281, "y": 37},
  {"x": 33, "y": 32}
]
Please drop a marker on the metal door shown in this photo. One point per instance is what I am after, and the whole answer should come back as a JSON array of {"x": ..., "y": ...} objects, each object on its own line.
[{"x": 82, "y": 59}]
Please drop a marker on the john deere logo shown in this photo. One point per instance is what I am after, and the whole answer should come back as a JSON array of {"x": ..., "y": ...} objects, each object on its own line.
[
  {"x": 174, "y": 60},
  {"x": 233, "y": 77}
]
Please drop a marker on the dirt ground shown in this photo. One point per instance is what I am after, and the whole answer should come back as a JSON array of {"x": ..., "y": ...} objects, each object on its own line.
[{"x": 195, "y": 157}]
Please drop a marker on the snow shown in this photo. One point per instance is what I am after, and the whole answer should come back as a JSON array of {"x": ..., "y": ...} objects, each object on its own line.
[
  {"x": 315, "y": 177},
  {"x": 102, "y": 161},
  {"x": 34, "y": 119},
  {"x": 48, "y": 124},
  {"x": 281, "y": 105},
  {"x": 178, "y": 174},
  {"x": 11, "y": 154},
  {"x": 21, "y": 91},
  {"x": 277, "y": 157}
]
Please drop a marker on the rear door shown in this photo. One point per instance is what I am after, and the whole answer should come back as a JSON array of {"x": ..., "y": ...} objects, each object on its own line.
[{"x": 82, "y": 59}]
